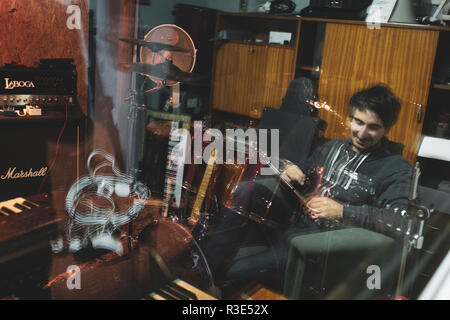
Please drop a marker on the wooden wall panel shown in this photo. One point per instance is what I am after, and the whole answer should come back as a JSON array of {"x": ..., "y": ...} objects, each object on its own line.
[
  {"x": 355, "y": 57},
  {"x": 34, "y": 29},
  {"x": 229, "y": 74},
  {"x": 249, "y": 77},
  {"x": 280, "y": 71}
]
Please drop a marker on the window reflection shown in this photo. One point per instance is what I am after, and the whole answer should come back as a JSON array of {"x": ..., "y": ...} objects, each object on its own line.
[{"x": 233, "y": 163}]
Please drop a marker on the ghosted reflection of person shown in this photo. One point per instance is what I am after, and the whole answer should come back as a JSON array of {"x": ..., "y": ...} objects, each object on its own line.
[{"x": 364, "y": 182}]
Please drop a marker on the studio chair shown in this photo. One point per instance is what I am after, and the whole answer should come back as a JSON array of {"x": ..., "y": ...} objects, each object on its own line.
[
  {"x": 294, "y": 120},
  {"x": 296, "y": 132},
  {"x": 297, "y": 97}
]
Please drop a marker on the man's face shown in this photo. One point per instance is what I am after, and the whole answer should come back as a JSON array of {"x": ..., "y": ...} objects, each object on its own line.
[{"x": 367, "y": 129}]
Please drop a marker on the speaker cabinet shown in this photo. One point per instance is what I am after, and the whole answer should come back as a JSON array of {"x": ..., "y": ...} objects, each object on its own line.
[{"x": 40, "y": 153}]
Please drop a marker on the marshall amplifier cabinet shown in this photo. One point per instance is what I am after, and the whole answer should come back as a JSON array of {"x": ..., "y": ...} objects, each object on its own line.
[
  {"x": 51, "y": 84},
  {"x": 39, "y": 152}
]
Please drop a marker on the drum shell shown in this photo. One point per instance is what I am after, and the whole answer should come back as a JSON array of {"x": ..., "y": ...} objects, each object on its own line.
[{"x": 264, "y": 201}]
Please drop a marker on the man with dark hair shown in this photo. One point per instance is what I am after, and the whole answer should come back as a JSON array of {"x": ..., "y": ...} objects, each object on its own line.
[
  {"x": 379, "y": 99},
  {"x": 375, "y": 196},
  {"x": 364, "y": 182}
]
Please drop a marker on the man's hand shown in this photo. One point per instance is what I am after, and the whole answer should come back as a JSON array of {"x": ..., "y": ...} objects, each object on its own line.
[
  {"x": 324, "y": 208},
  {"x": 293, "y": 173}
]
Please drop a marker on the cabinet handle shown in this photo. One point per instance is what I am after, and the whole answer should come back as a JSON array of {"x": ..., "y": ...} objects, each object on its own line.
[
  {"x": 252, "y": 50},
  {"x": 419, "y": 113}
]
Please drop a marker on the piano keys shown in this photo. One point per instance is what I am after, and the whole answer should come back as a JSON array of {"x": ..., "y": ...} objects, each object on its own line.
[
  {"x": 26, "y": 227},
  {"x": 16, "y": 206},
  {"x": 180, "y": 290},
  {"x": 21, "y": 216}
]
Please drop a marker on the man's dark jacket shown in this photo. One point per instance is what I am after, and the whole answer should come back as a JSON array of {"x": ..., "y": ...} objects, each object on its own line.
[{"x": 389, "y": 173}]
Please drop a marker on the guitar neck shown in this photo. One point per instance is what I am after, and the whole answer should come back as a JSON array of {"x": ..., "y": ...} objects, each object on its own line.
[{"x": 195, "y": 214}]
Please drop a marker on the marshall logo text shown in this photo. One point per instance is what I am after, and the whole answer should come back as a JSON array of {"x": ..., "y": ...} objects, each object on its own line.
[
  {"x": 9, "y": 85},
  {"x": 12, "y": 174}
]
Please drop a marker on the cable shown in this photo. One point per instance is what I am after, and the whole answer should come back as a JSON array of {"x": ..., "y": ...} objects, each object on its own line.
[
  {"x": 158, "y": 86},
  {"x": 56, "y": 149}
]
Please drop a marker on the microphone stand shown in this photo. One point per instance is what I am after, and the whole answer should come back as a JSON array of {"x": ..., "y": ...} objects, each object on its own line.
[{"x": 416, "y": 214}]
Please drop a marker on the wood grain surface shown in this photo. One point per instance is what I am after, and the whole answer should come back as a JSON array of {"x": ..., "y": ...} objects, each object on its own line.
[{"x": 249, "y": 77}]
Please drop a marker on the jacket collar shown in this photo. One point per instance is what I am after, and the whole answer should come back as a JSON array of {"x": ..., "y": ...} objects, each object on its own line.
[{"x": 384, "y": 148}]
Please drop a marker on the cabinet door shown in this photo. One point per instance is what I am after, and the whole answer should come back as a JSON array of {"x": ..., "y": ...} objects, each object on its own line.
[
  {"x": 355, "y": 57},
  {"x": 249, "y": 77}
]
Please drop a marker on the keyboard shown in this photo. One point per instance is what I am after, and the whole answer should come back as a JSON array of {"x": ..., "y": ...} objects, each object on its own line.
[
  {"x": 179, "y": 290},
  {"x": 26, "y": 227},
  {"x": 26, "y": 224}
]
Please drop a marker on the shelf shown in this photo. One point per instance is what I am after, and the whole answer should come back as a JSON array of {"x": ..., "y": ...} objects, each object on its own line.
[
  {"x": 441, "y": 86},
  {"x": 262, "y": 44},
  {"x": 264, "y": 16},
  {"x": 388, "y": 24},
  {"x": 297, "y": 17},
  {"x": 307, "y": 68},
  {"x": 434, "y": 148}
]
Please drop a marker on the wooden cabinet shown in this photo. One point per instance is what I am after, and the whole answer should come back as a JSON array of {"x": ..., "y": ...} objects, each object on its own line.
[
  {"x": 248, "y": 77},
  {"x": 250, "y": 71},
  {"x": 341, "y": 56}
]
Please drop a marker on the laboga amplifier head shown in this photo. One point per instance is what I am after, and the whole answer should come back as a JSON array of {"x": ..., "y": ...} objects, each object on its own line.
[{"x": 52, "y": 83}]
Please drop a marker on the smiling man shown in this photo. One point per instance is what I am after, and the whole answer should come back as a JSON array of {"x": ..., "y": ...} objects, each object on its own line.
[
  {"x": 365, "y": 179},
  {"x": 364, "y": 182}
]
